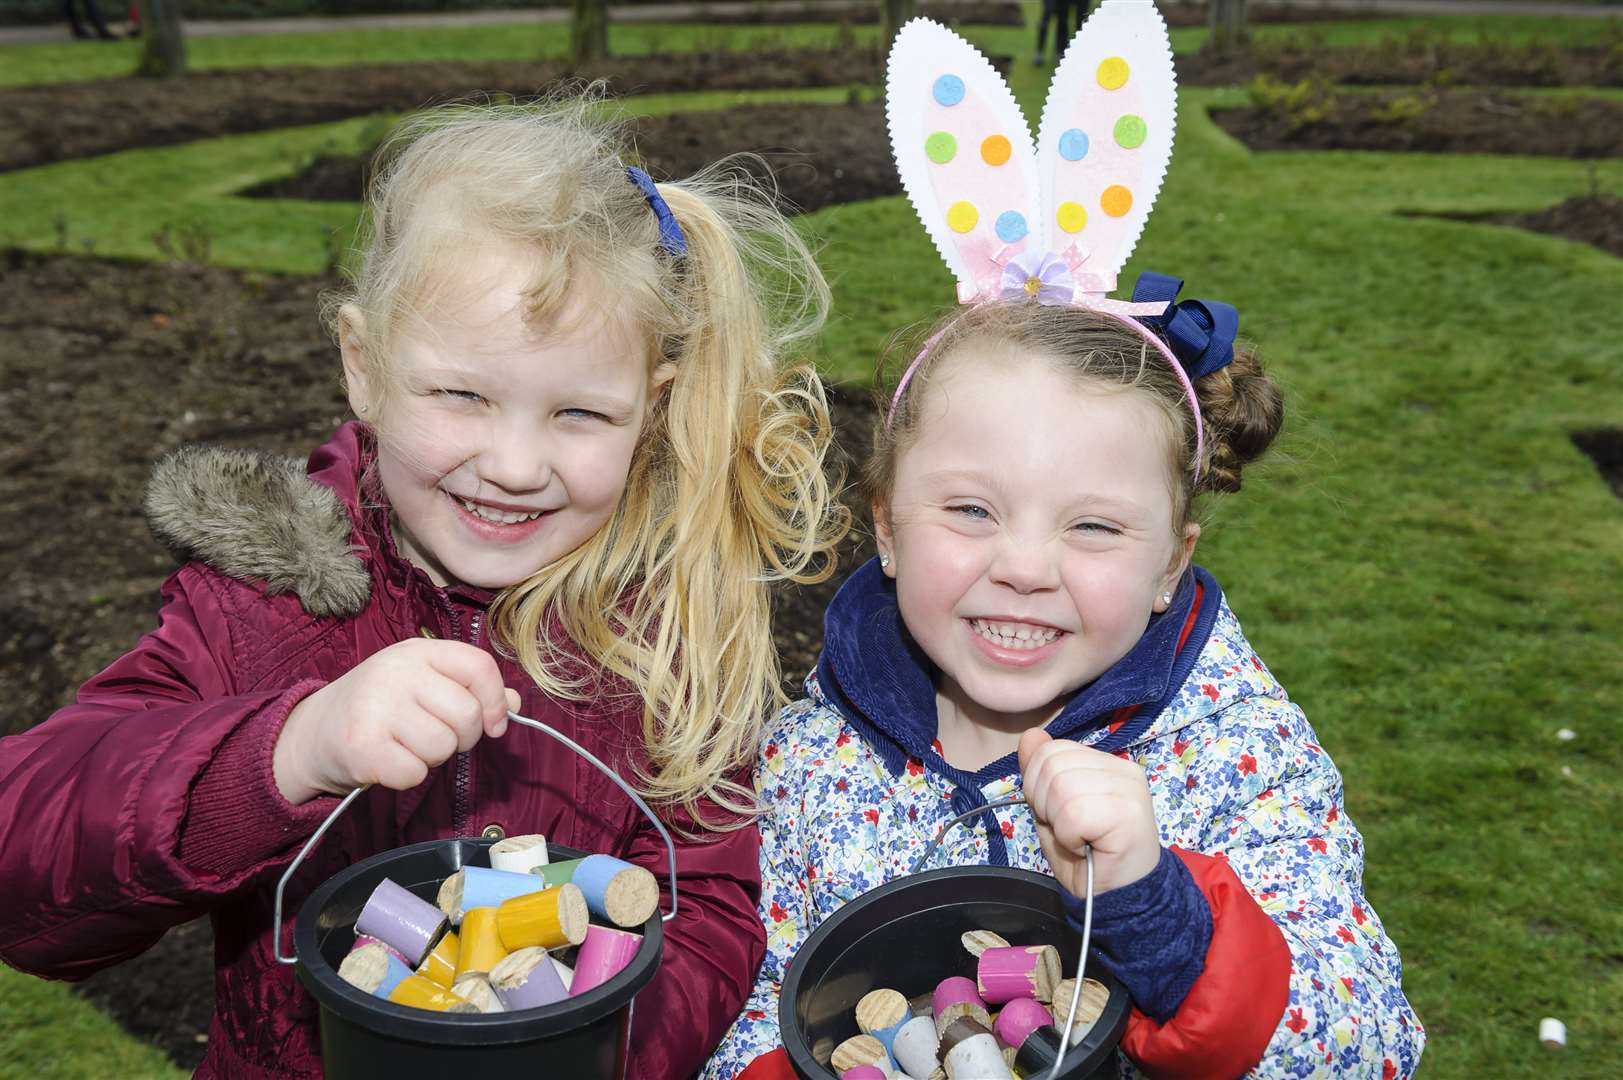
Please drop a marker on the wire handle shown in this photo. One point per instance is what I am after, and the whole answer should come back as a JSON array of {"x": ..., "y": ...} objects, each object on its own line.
[
  {"x": 315, "y": 837},
  {"x": 1087, "y": 921}
]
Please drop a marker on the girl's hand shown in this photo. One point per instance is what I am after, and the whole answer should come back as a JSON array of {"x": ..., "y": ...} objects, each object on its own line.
[
  {"x": 1082, "y": 796},
  {"x": 394, "y": 716}
]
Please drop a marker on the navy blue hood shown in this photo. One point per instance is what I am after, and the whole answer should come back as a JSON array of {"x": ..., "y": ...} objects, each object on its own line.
[{"x": 876, "y": 675}]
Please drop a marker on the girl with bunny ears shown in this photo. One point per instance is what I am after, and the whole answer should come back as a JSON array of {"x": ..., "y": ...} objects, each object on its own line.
[{"x": 1034, "y": 623}]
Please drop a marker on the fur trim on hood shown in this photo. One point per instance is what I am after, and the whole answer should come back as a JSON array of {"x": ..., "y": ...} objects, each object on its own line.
[{"x": 252, "y": 515}]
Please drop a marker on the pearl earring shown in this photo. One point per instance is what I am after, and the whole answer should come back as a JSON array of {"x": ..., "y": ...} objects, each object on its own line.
[
  {"x": 884, "y": 562},
  {"x": 1166, "y": 598}
]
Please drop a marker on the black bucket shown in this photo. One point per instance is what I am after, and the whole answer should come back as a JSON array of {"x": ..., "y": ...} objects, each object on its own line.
[
  {"x": 579, "y": 1038},
  {"x": 363, "y": 1035},
  {"x": 905, "y": 936}
]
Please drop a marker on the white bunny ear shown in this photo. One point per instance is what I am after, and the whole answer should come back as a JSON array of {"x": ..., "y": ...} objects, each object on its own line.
[
  {"x": 1105, "y": 140},
  {"x": 964, "y": 152}
]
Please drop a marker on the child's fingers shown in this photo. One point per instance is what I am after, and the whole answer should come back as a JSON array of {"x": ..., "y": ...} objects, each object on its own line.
[
  {"x": 1055, "y": 758},
  {"x": 497, "y": 727},
  {"x": 427, "y": 737},
  {"x": 449, "y": 702},
  {"x": 395, "y": 767},
  {"x": 476, "y": 670},
  {"x": 1031, "y": 740}
]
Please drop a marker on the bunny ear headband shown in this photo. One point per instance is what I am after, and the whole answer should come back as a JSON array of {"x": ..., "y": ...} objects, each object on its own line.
[{"x": 1052, "y": 221}]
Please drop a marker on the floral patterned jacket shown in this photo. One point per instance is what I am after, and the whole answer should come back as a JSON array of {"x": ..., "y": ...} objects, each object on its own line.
[{"x": 1298, "y": 977}]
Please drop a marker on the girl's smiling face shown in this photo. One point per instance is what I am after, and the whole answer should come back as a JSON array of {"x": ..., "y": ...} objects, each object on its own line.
[
  {"x": 503, "y": 445},
  {"x": 1031, "y": 532}
]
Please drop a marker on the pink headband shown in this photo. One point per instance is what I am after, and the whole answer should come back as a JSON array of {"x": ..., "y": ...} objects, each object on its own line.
[{"x": 1126, "y": 318}]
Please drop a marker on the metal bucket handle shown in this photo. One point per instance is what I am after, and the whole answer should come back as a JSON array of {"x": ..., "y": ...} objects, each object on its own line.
[
  {"x": 1087, "y": 919},
  {"x": 315, "y": 837}
]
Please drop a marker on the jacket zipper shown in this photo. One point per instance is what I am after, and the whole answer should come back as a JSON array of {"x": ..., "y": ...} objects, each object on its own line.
[{"x": 464, "y": 767}]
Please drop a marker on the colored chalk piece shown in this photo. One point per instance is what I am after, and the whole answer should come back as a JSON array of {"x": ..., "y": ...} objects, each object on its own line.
[
  {"x": 1017, "y": 971},
  {"x": 603, "y": 955},
  {"x": 421, "y": 993},
  {"x": 549, "y": 919},
  {"x": 970, "y": 1052},
  {"x": 623, "y": 893},
  {"x": 373, "y": 968},
  {"x": 478, "y": 886},
  {"x": 480, "y": 947},
  {"x": 526, "y": 979},
  {"x": 406, "y": 922},
  {"x": 440, "y": 963}
]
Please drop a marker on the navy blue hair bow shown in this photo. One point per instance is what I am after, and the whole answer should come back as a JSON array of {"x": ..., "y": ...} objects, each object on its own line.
[
  {"x": 670, "y": 233},
  {"x": 1199, "y": 332}
]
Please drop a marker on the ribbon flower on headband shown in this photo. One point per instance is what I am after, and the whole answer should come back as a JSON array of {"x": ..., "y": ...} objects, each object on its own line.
[{"x": 1052, "y": 220}]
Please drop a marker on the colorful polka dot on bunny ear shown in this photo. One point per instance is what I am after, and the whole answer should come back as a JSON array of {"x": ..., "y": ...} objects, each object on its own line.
[
  {"x": 964, "y": 151},
  {"x": 1105, "y": 138}
]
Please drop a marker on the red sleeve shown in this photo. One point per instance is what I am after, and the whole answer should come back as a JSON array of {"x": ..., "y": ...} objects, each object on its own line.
[
  {"x": 713, "y": 948},
  {"x": 770, "y": 1066},
  {"x": 92, "y": 801},
  {"x": 1230, "y": 1013}
]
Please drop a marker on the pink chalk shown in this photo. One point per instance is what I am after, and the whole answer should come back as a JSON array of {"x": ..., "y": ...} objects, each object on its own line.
[
  {"x": 1003, "y": 974},
  {"x": 955, "y": 991},
  {"x": 1018, "y": 1019},
  {"x": 602, "y": 956},
  {"x": 864, "y": 1072}
]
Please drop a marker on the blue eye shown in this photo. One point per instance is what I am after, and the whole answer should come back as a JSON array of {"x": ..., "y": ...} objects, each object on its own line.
[
  {"x": 583, "y": 414},
  {"x": 1098, "y": 528},
  {"x": 969, "y": 510}
]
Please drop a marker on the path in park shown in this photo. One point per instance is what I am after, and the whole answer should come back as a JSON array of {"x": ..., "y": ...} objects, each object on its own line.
[{"x": 720, "y": 9}]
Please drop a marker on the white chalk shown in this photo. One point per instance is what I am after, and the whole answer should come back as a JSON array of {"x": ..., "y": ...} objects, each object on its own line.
[{"x": 1552, "y": 1033}]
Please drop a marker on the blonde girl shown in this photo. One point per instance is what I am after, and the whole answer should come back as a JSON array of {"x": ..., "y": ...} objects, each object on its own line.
[{"x": 578, "y": 464}]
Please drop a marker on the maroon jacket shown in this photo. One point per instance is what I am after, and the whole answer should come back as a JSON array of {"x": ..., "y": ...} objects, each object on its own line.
[{"x": 150, "y": 800}]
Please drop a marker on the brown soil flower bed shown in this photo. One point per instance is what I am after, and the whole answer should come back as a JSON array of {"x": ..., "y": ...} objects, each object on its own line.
[
  {"x": 42, "y": 124},
  {"x": 1596, "y": 220},
  {"x": 1185, "y": 15},
  {"x": 1446, "y": 121},
  {"x": 859, "y": 12},
  {"x": 818, "y": 155},
  {"x": 1422, "y": 59}
]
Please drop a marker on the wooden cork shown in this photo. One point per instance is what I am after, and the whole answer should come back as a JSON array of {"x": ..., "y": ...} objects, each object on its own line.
[
  {"x": 881, "y": 1009},
  {"x": 475, "y": 988},
  {"x": 373, "y": 968},
  {"x": 519, "y": 854},
  {"x": 978, "y": 941},
  {"x": 858, "y": 1050},
  {"x": 549, "y": 919},
  {"x": 1094, "y": 999}
]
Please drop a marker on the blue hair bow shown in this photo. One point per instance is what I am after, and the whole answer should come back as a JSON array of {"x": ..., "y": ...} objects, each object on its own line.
[
  {"x": 670, "y": 233},
  {"x": 1199, "y": 332}
]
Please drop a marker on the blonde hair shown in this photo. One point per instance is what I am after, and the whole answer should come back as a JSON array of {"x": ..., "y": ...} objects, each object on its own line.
[
  {"x": 727, "y": 491},
  {"x": 1241, "y": 407}
]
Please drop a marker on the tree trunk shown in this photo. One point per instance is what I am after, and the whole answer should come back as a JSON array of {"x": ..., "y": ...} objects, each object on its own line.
[
  {"x": 1228, "y": 26},
  {"x": 589, "y": 31},
  {"x": 893, "y": 14},
  {"x": 163, "y": 52}
]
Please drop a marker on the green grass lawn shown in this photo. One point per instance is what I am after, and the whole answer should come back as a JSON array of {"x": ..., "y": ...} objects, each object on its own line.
[{"x": 1426, "y": 561}]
